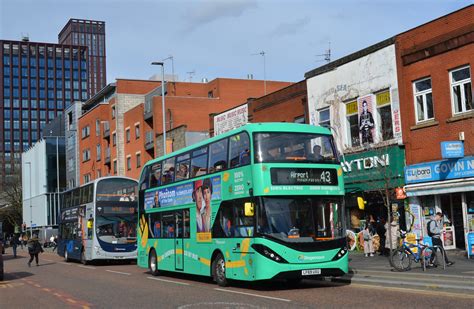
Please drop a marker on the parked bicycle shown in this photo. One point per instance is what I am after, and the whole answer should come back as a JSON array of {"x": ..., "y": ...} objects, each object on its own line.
[{"x": 428, "y": 256}]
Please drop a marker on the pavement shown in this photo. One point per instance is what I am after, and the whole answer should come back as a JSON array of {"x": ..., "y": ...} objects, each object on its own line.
[{"x": 458, "y": 278}]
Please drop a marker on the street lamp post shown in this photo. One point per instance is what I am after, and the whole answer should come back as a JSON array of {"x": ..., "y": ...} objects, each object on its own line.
[
  {"x": 162, "y": 101},
  {"x": 31, "y": 206}
]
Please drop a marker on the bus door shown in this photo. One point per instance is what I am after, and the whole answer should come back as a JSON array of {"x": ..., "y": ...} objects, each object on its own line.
[
  {"x": 179, "y": 238},
  {"x": 242, "y": 231},
  {"x": 88, "y": 227}
]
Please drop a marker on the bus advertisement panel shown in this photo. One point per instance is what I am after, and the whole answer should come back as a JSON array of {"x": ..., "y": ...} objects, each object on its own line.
[{"x": 261, "y": 202}]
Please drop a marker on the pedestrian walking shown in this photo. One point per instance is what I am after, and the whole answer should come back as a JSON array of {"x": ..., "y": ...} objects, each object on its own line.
[
  {"x": 434, "y": 228},
  {"x": 14, "y": 244},
  {"x": 53, "y": 242},
  {"x": 34, "y": 249},
  {"x": 394, "y": 231},
  {"x": 368, "y": 241}
]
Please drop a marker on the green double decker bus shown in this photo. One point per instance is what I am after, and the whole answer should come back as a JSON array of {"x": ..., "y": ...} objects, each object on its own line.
[{"x": 264, "y": 201}]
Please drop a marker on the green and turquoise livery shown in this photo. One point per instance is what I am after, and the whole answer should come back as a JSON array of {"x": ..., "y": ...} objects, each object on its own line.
[{"x": 260, "y": 202}]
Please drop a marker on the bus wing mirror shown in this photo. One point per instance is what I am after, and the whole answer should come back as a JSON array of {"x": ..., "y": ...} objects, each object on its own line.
[
  {"x": 249, "y": 209},
  {"x": 361, "y": 203}
]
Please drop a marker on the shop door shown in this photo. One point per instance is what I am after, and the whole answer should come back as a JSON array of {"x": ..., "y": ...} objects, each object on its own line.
[
  {"x": 449, "y": 239},
  {"x": 458, "y": 221},
  {"x": 179, "y": 241}
]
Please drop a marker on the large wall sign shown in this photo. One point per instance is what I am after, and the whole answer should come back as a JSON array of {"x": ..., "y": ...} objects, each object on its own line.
[
  {"x": 440, "y": 170},
  {"x": 231, "y": 119}
]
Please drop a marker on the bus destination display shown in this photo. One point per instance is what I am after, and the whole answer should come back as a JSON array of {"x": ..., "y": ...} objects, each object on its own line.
[{"x": 304, "y": 176}]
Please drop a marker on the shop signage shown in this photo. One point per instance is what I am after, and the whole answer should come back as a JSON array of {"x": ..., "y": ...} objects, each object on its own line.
[
  {"x": 450, "y": 150},
  {"x": 372, "y": 169},
  {"x": 440, "y": 170},
  {"x": 231, "y": 119}
]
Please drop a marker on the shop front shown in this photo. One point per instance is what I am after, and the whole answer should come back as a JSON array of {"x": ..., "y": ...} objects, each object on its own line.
[
  {"x": 373, "y": 175},
  {"x": 445, "y": 186}
]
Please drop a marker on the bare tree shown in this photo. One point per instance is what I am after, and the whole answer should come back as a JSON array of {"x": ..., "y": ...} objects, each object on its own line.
[{"x": 11, "y": 201}]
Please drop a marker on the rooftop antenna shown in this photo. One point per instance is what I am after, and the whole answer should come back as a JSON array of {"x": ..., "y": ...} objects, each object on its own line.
[
  {"x": 327, "y": 54},
  {"x": 262, "y": 53},
  {"x": 191, "y": 74},
  {"x": 170, "y": 57}
]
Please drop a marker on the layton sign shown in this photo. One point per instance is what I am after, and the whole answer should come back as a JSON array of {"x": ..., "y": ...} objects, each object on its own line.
[{"x": 366, "y": 163}]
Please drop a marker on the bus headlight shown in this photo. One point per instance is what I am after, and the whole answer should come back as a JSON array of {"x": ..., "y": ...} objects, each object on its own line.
[
  {"x": 268, "y": 253},
  {"x": 340, "y": 253}
]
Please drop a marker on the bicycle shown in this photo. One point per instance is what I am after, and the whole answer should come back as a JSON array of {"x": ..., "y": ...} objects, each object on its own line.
[{"x": 402, "y": 257}]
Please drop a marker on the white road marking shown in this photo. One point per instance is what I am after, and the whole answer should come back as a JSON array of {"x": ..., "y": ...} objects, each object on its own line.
[
  {"x": 170, "y": 281},
  {"x": 64, "y": 263},
  {"x": 47, "y": 260},
  {"x": 118, "y": 272},
  {"x": 88, "y": 267},
  {"x": 256, "y": 295}
]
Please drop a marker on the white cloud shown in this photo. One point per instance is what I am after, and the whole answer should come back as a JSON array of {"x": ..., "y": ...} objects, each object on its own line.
[{"x": 211, "y": 10}]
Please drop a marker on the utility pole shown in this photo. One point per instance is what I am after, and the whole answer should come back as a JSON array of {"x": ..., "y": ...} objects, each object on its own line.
[{"x": 262, "y": 53}]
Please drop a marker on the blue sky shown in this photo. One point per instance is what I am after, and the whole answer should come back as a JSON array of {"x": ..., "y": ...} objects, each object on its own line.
[{"x": 216, "y": 38}]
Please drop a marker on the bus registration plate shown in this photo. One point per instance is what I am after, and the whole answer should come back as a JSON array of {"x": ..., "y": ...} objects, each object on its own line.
[{"x": 309, "y": 272}]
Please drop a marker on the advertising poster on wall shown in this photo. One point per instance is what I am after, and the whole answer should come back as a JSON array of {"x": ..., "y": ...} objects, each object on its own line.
[
  {"x": 366, "y": 119},
  {"x": 231, "y": 119}
]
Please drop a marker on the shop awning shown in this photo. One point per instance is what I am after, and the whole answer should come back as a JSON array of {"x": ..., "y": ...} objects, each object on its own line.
[{"x": 440, "y": 187}]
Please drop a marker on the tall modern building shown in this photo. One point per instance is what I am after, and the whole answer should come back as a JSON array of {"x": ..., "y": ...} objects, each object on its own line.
[
  {"x": 38, "y": 81},
  {"x": 88, "y": 33}
]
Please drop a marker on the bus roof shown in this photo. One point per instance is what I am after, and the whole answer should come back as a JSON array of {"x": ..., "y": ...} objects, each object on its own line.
[
  {"x": 251, "y": 128},
  {"x": 99, "y": 179}
]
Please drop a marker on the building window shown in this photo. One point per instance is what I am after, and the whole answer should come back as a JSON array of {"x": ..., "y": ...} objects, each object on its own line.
[
  {"x": 384, "y": 114},
  {"x": 99, "y": 173},
  {"x": 137, "y": 131},
  {"x": 139, "y": 159},
  {"x": 97, "y": 127},
  {"x": 423, "y": 100},
  {"x": 352, "y": 118},
  {"x": 115, "y": 167},
  {"x": 113, "y": 112},
  {"x": 114, "y": 138},
  {"x": 127, "y": 135},
  {"x": 299, "y": 119},
  {"x": 129, "y": 163},
  {"x": 99, "y": 152},
  {"x": 461, "y": 90},
  {"x": 87, "y": 178},
  {"x": 324, "y": 118},
  {"x": 86, "y": 155},
  {"x": 86, "y": 131}
]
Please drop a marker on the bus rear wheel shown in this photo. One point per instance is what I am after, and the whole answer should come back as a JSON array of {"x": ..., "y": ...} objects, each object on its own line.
[
  {"x": 218, "y": 270},
  {"x": 153, "y": 263}
]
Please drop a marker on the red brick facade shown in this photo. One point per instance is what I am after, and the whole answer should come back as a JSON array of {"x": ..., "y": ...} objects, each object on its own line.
[
  {"x": 433, "y": 50},
  {"x": 186, "y": 104}
]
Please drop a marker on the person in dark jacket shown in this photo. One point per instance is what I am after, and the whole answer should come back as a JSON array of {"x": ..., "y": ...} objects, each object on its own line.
[
  {"x": 14, "y": 244},
  {"x": 34, "y": 249}
]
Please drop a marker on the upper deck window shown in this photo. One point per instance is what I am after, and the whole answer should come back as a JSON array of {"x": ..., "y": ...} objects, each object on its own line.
[{"x": 293, "y": 147}]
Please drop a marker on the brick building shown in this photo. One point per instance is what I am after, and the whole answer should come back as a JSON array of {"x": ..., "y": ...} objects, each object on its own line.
[
  {"x": 285, "y": 105},
  {"x": 434, "y": 65},
  {"x": 128, "y": 114}
]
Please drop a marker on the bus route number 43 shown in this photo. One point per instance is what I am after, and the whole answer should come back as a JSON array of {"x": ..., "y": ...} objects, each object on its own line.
[{"x": 325, "y": 177}]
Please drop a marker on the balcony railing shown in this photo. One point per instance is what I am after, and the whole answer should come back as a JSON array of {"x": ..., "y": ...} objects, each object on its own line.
[
  {"x": 106, "y": 129},
  {"x": 107, "y": 156},
  {"x": 149, "y": 142}
]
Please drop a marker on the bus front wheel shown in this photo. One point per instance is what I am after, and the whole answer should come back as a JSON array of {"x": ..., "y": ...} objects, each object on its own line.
[
  {"x": 153, "y": 263},
  {"x": 218, "y": 270}
]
